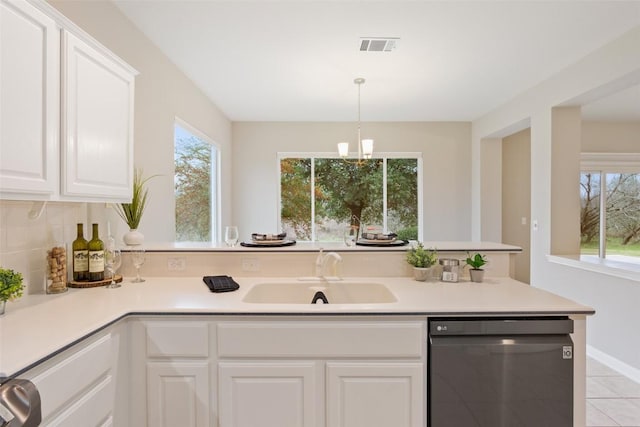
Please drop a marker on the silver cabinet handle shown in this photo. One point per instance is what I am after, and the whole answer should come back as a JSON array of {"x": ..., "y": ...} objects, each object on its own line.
[{"x": 22, "y": 401}]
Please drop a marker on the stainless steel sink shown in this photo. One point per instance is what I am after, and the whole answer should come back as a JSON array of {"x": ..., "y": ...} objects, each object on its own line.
[{"x": 341, "y": 292}]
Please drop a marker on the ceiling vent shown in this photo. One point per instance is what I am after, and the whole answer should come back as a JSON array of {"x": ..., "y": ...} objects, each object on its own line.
[{"x": 378, "y": 44}]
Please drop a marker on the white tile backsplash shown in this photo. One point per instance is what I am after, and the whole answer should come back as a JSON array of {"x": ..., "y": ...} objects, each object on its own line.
[{"x": 24, "y": 240}]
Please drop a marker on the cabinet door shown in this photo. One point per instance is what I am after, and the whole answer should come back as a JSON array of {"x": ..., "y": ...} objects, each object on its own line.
[
  {"x": 97, "y": 132},
  {"x": 178, "y": 394},
  {"x": 273, "y": 394},
  {"x": 29, "y": 102},
  {"x": 375, "y": 394}
]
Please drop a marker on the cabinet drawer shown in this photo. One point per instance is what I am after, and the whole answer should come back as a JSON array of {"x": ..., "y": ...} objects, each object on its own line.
[
  {"x": 321, "y": 339},
  {"x": 62, "y": 382},
  {"x": 92, "y": 409},
  {"x": 177, "y": 339}
]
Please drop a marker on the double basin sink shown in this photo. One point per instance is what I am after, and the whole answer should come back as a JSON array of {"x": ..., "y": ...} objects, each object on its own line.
[{"x": 335, "y": 292}]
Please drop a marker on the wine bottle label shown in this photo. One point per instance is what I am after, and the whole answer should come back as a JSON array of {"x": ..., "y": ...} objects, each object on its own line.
[
  {"x": 96, "y": 261},
  {"x": 81, "y": 260}
]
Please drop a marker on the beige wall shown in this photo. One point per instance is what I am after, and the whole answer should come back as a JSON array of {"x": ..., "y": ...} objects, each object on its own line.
[
  {"x": 604, "y": 137},
  {"x": 446, "y": 168},
  {"x": 566, "y": 128},
  {"x": 163, "y": 93},
  {"x": 491, "y": 189},
  {"x": 516, "y": 198}
]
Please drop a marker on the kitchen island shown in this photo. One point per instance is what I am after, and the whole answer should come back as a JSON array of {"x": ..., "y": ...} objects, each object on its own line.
[{"x": 165, "y": 323}]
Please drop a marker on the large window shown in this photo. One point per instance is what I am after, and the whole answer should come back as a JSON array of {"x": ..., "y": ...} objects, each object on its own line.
[
  {"x": 321, "y": 196},
  {"x": 196, "y": 184},
  {"x": 610, "y": 212}
]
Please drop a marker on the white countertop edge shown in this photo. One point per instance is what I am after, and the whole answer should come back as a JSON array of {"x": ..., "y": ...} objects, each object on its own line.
[
  {"x": 53, "y": 323},
  {"x": 441, "y": 246},
  {"x": 603, "y": 266}
]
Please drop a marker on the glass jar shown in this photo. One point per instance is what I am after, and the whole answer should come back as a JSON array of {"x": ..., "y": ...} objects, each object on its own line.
[
  {"x": 56, "y": 274},
  {"x": 450, "y": 269}
]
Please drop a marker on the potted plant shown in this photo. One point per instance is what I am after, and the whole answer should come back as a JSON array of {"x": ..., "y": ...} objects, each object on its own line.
[
  {"x": 476, "y": 263},
  {"x": 422, "y": 260},
  {"x": 131, "y": 213},
  {"x": 10, "y": 287}
]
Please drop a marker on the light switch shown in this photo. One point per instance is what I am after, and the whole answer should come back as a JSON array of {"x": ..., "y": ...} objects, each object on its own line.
[{"x": 524, "y": 220}]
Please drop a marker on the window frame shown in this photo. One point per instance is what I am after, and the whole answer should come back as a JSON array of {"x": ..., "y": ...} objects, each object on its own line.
[
  {"x": 352, "y": 156},
  {"x": 216, "y": 209},
  {"x": 603, "y": 164}
]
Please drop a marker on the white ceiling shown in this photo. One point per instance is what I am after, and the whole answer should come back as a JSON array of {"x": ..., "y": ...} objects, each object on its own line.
[{"x": 296, "y": 60}]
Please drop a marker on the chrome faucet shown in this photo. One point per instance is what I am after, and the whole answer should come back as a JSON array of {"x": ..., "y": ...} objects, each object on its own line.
[{"x": 323, "y": 259}]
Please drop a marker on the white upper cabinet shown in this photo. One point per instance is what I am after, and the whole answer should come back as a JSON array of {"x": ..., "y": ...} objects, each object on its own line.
[
  {"x": 29, "y": 101},
  {"x": 98, "y": 123},
  {"x": 66, "y": 110}
]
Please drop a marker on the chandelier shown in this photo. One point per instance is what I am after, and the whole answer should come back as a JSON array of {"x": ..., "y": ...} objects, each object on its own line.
[{"x": 365, "y": 146}]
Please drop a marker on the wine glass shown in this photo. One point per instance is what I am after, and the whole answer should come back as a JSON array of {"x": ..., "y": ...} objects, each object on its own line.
[
  {"x": 231, "y": 235},
  {"x": 113, "y": 261},
  {"x": 137, "y": 256},
  {"x": 351, "y": 235}
]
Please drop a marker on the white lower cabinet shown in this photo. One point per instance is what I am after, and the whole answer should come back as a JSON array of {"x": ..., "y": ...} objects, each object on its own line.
[
  {"x": 240, "y": 371},
  {"x": 178, "y": 394},
  {"x": 316, "y": 372},
  {"x": 172, "y": 382},
  {"x": 375, "y": 394},
  {"x": 283, "y": 394},
  {"x": 78, "y": 387}
]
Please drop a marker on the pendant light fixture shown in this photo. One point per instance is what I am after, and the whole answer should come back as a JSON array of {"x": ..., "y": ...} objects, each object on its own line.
[{"x": 365, "y": 146}]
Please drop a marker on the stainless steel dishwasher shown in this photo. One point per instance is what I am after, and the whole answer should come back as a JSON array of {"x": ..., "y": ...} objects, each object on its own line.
[{"x": 500, "y": 372}]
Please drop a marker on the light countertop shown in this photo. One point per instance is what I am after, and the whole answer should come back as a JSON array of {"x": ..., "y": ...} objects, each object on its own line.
[
  {"x": 38, "y": 325},
  {"x": 441, "y": 246}
]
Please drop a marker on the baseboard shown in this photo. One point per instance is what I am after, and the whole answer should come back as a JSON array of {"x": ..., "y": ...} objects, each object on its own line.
[{"x": 613, "y": 363}]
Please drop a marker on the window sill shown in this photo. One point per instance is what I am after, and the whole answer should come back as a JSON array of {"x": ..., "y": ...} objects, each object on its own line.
[{"x": 615, "y": 268}]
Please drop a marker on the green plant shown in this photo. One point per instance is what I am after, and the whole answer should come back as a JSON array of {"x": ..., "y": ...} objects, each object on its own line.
[
  {"x": 131, "y": 213},
  {"x": 420, "y": 257},
  {"x": 409, "y": 233},
  {"x": 477, "y": 261},
  {"x": 10, "y": 285}
]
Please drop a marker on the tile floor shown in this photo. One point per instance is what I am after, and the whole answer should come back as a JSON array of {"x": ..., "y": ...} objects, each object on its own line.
[{"x": 612, "y": 399}]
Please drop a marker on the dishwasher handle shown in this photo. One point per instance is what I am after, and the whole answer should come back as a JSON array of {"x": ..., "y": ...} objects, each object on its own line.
[
  {"x": 20, "y": 404},
  {"x": 499, "y": 327}
]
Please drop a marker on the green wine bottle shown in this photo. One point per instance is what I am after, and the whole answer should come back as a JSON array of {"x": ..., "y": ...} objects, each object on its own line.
[
  {"x": 96, "y": 256},
  {"x": 80, "y": 257}
]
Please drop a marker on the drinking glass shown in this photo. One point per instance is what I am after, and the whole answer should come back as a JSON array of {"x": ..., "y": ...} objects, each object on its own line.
[
  {"x": 112, "y": 262},
  {"x": 351, "y": 235},
  {"x": 231, "y": 235},
  {"x": 137, "y": 256}
]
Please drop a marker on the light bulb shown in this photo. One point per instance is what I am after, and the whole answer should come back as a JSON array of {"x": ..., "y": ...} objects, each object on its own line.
[
  {"x": 367, "y": 148},
  {"x": 343, "y": 149}
]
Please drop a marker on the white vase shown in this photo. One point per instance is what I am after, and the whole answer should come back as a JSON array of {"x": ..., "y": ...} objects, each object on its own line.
[
  {"x": 133, "y": 238},
  {"x": 2, "y": 306},
  {"x": 421, "y": 274},
  {"x": 477, "y": 275}
]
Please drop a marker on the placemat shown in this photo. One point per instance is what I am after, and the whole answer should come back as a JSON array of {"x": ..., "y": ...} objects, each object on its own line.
[
  {"x": 383, "y": 244},
  {"x": 267, "y": 245}
]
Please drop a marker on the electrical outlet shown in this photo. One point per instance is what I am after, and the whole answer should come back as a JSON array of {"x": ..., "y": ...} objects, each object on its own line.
[
  {"x": 250, "y": 264},
  {"x": 176, "y": 264}
]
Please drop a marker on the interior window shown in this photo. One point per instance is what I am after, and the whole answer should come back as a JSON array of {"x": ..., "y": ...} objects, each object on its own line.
[
  {"x": 320, "y": 197},
  {"x": 195, "y": 181},
  {"x": 610, "y": 215}
]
